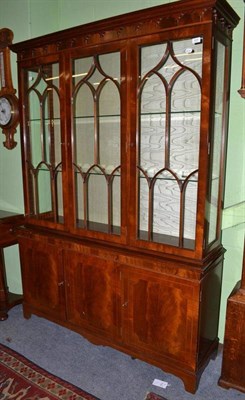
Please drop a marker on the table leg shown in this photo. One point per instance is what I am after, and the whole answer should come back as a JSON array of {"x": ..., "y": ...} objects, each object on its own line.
[{"x": 3, "y": 288}]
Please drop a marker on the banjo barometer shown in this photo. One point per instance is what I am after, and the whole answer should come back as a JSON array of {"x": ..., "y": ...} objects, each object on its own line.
[{"x": 9, "y": 104}]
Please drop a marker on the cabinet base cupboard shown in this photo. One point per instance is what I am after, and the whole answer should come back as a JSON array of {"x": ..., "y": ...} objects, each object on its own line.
[
  {"x": 161, "y": 310},
  {"x": 123, "y": 132}
]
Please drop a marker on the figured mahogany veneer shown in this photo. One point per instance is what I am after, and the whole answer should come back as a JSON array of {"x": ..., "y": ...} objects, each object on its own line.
[
  {"x": 233, "y": 365},
  {"x": 160, "y": 310}
]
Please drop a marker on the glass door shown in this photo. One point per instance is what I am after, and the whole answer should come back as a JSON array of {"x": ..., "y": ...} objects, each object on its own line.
[
  {"x": 169, "y": 116},
  {"x": 43, "y": 163},
  {"x": 97, "y": 124}
]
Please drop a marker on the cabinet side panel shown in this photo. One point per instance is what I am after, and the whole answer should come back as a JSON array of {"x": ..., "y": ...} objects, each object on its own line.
[{"x": 209, "y": 315}]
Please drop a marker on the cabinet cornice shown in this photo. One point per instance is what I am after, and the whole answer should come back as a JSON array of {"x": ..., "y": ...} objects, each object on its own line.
[{"x": 127, "y": 26}]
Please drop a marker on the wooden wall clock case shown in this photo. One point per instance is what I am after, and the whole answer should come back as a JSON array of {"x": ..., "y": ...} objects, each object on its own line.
[
  {"x": 9, "y": 105},
  {"x": 123, "y": 127}
]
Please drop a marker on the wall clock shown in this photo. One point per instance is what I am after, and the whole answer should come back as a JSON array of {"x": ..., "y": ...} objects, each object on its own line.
[{"x": 9, "y": 104}]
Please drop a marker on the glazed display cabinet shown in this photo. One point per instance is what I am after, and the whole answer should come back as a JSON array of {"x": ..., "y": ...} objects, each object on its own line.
[{"x": 123, "y": 128}]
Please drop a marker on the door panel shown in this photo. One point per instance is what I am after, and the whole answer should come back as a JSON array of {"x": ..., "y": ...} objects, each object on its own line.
[
  {"x": 160, "y": 315},
  {"x": 42, "y": 272},
  {"x": 92, "y": 293}
]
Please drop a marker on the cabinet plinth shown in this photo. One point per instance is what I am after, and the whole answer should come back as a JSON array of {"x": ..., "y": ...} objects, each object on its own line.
[{"x": 123, "y": 155}]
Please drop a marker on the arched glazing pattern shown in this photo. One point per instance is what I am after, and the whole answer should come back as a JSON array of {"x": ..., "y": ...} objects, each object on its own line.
[
  {"x": 43, "y": 142},
  {"x": 169, "y": 104},
  {"x": 96, "y": 97}
]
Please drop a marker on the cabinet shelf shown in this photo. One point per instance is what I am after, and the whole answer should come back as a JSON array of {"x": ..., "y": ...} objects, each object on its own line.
[
  {"x": 185, "y": 113},
  {"x": 159, "y": 178},
  {"x": 115, "y": 116},
  {"x": 98, "y": 227},
  {"x": 84, "y": 172},
  {"x": 78, "y": 117},
  {"x": 46, "y": 120},
  {"x": 167, "y": 239},
  {"x": 172, "y": 112},
  {"x": 116, "y": 174},
  {"x": 162, "y": 178}
]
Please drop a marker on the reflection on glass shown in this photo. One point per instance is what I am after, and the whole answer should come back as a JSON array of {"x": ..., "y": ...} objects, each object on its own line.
[
  {"x": 169, "y": 101},
  {"x": 43, "y": 126},
  {"x": 212, "y": 206},
  {"x": 96, "y": 141}
]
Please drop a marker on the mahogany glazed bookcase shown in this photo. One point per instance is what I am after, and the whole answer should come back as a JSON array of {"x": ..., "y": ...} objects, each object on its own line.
[{"x": 123, "y": 127}]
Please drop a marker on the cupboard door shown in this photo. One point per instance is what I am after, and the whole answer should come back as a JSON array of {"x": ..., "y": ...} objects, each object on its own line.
[
  {"x": 92, "y": 293},
  {"x": 42, "y": 274},
  {"x": 161, "y": 316}
]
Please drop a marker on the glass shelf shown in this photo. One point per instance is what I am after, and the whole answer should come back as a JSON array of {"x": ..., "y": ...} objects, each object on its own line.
[
  {"x": 75, "y": 118},
  {"x": 97, "y": 169},
  {"x": 99, "y": 227},
  {"x": 117, "y": 173},
  {"x": 166, "y": 239},
  {"x": 44, "y": 119},
  {"x": 167, "y": 174},
  {"x": 172, "y": 112},
  {"x": 100, "y": 174},
  {"x": 100, "y": 116},
  {"x": 48, "y": 216},
  {"x": 47, "y": 170},
  {"x": 185, "y": 112},
  {"x": 180, "y": 179}
]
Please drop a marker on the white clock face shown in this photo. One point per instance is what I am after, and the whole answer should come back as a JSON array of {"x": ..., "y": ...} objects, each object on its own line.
[{"x": 5, "y": 111}]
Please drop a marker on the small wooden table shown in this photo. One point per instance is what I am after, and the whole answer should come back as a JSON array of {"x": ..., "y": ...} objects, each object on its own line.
[{"x": 8, "y": 221}]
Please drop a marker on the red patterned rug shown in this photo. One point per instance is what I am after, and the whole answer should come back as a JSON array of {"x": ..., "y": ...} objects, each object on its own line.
[
  {"x": 154, "y": 396},
  {"x": 21, "y": 379}
]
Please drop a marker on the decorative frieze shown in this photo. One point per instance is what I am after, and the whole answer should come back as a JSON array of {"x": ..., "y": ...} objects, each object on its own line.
[{"x": 124, "y": 27}]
